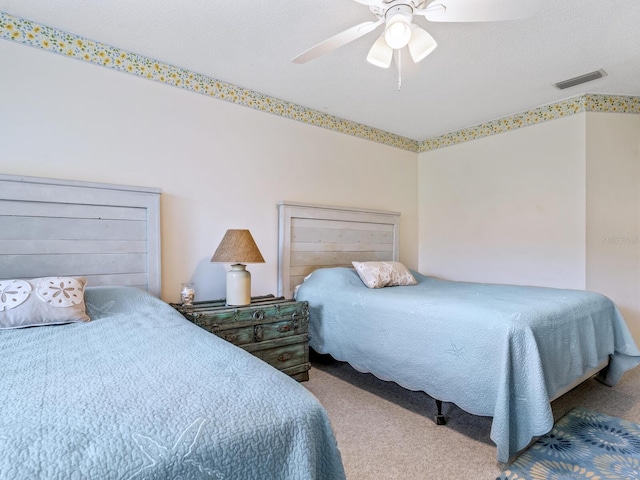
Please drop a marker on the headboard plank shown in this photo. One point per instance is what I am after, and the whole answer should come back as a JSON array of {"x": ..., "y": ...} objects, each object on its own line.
[
  {"x": 340, "y": 247},
  {"x": 44, "y": 209},
  {"x": 336, "y": 258},
  {"x": 40, "y": 247},
  {"x": 108, "y": 233},
  {"x": 340, "y": 224},
  {"x": 323, "y": 234},
  {"x": 28, "y": 266},
  {"x": 64, "y": 228},
  {"x": 317, "y": 236}
]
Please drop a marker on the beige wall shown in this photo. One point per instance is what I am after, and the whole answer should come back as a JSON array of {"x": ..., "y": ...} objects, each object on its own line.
[
  {"x": 219, "y": 165},
  {"x": 508, "y": 208},
  {"x": 556, "y": 204},
  {"x": 613, "y": 211}
]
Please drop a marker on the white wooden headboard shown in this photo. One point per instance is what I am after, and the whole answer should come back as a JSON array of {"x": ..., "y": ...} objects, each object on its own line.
[
  {"x": 108, "y": 233},
  {"x": 316, "y": 236}
]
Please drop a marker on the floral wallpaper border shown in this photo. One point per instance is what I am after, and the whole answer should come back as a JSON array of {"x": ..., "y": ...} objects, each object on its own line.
[
  {"x": 583, "y": 103},
  {"x": 47, "y": 38}
]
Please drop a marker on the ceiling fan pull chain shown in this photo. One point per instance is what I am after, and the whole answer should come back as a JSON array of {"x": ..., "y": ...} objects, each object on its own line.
[{"x": 399, "y": 65}]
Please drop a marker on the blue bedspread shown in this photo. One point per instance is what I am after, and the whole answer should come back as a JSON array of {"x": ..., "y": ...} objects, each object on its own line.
[
  {"x": 140, "y": 392},
  {"x": 494, "y": 350}
]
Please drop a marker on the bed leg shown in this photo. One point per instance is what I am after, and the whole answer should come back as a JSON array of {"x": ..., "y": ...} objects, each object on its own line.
[{"x": 440, "y": 420}]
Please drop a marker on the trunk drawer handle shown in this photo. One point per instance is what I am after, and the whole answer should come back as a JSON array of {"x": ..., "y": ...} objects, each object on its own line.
[
  {"x": 285, "y": 356},
  {"x": 258, "y": 333},
  {"x": 287, "y": 327}
]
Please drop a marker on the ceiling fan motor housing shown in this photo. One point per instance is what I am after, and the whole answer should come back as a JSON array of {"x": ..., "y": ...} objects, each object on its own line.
[
  {"x": 386, "y": 7},
  {"x": 402, "y": 9}
]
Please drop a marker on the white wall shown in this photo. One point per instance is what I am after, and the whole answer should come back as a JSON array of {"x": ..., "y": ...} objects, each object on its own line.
[
  {"x": 508, "y": 208},
  {"x": 613, "y": 211},
  {"x": 219, "y": 165},
  {"x": 555, "y": 204}
]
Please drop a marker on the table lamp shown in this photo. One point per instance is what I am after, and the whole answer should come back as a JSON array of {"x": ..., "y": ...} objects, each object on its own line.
[{"x": 238, "y": 247}]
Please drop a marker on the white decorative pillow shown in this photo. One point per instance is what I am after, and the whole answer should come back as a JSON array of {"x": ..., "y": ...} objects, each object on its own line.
[
  {"x": 384, "y": 274},
  {"x": 42, "y": 301}
]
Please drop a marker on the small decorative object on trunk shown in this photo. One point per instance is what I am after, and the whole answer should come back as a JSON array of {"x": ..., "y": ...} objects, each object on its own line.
[{"x": 187, "y": 293}]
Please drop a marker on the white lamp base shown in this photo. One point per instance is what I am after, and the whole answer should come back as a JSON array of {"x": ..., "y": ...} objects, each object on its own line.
[{"x": 238, "y": 285}]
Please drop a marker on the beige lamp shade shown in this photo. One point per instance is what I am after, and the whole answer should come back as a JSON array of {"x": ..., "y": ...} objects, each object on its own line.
[{"x": 237, "y": 246}]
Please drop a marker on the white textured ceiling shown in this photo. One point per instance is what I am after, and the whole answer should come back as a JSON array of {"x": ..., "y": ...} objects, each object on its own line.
[{"x": 479, "y": 72}]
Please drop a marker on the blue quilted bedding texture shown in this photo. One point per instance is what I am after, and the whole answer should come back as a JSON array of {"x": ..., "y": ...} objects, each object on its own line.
[
  {"x": 140, "y": 392},
  {"x": 494, "y": 350}
]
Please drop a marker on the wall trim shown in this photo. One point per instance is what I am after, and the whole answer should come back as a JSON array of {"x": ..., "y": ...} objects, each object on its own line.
[
  {"x": 30, "y": 33},
  {"x": 583, "y": 103}
]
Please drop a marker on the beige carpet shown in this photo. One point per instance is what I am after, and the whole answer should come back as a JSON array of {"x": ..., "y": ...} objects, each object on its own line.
[{"x": 387, "y": 432}]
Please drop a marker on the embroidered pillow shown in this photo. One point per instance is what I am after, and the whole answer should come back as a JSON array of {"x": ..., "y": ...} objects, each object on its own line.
[
  {"x": 384, "y": 274},
  {"x": 42, "y": 301}
]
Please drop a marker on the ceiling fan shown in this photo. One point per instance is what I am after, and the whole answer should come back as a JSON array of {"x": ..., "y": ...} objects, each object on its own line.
[{"x": 400, "y": 31}]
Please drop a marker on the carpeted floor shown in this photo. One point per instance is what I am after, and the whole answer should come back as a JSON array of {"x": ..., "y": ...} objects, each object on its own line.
[{"x": 387, "y": 432}]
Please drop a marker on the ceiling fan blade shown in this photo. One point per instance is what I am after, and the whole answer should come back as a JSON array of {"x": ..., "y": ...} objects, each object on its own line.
[
  {"x": 479, "y": 11},
  {"x": 375, "y": 3},
  {"x": 337, "y": 41}
]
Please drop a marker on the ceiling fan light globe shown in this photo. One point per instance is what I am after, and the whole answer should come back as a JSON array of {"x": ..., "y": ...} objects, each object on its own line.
[
  {"x": 398, "y": 31},
  {"x": 380, "y": 53},
  {"x": 421, "y": 44}
]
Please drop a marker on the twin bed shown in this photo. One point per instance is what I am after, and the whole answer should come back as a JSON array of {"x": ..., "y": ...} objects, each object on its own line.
[
  {"x": 137, "y": 391},
  {"x": 494, "y": 350}
]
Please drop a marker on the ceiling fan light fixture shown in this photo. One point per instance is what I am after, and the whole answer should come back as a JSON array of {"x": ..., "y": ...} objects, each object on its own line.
[
  {"x": 398, "y": 31},
  {"x": 380, "y": 53},
  {"x": 421, "y": 43}
]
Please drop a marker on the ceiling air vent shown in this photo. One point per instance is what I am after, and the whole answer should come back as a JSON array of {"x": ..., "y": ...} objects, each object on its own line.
[{"x": 587, "y": 77}]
